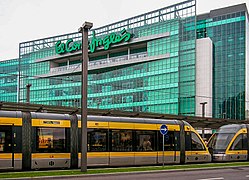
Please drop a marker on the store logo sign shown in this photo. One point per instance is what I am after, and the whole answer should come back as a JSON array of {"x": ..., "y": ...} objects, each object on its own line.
[
  {"x": 107, "y": 41},
  {"x": 114, "y": 38},
  {"x": 68, "y": 47}
]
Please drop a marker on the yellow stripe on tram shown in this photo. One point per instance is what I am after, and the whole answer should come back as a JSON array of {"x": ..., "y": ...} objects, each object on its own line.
[
  {"x": 127, "y": 125},
  {"x": 50, "y": 123},
  {"x": 95, "y": 124},
  {"x": 50, "y": 155},
  {"x": 10, "y": 121},
  {"x": 200, "y": 152},
  {"x": 97, "y": 154},
  {"x": 125, "y": 154},
  {"x": 236, "y": 152},
  {"x": 169, "y": 153},
  {"x": 122, "y": 154},
  {"x": 9, "y": 156}
]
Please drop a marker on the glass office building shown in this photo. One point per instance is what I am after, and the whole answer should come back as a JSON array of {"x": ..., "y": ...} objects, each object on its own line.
[
  {"x": 228, "y": 30},
  {"x": 9, "y": 80},
  {"x": 165, "y": 61}
]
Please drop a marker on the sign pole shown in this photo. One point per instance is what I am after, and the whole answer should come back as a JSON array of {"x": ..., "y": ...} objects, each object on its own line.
[
  {"x": 163, "y": 150},
  {"x": 163, "y": 131}
]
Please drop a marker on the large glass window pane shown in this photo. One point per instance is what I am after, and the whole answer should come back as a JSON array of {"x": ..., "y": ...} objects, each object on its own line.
[
  {"x": 5, "y": 140},
  {"x": 145, "y": 140},
  {"x": 245, "y": 142},
  {"x": 121, "y": 140},
  {"x": 51, "y": 140},
  {"x": 97, "y": 140},
  {"x": 220, "y": 141},
  {"x": 2, "y": 141},
  {"x": 171, "y": 141},
  {"x": 238, "y": 143},
  {"x": 196, "y": 143}
]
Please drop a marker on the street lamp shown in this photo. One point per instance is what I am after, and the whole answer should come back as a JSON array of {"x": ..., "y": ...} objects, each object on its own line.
[
  {"x": 84, "y": 67},
  {"x": 203, "y": 115},
  {"x": 224, "y": 115}
]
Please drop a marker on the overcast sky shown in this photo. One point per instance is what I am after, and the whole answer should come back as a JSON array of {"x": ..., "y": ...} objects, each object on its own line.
[{"x": 25, "y": 20}]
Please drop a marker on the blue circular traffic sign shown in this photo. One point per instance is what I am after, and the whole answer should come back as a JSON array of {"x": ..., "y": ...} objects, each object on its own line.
[{"x": 163, "y": 129}]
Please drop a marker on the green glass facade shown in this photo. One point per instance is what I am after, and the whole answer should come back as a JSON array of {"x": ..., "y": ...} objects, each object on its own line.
[
  {"x": 9, "y": 80},
  {"x": 154, "y": 72},
  {"x": 228, "y": 34},
  {"x": 163, "y": 84}
]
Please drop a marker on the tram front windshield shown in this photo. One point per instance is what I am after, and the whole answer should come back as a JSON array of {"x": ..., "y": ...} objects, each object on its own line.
[{"x": 220, "y": 141}]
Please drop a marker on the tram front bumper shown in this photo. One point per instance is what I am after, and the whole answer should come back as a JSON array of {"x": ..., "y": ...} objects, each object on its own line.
[{"x": 220, "y": 157}]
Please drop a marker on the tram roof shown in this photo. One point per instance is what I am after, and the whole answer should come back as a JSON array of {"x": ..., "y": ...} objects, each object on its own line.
[{"x": 195, "y": 121}]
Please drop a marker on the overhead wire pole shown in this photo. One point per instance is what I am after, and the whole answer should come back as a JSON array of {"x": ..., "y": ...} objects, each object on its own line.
[
  {"x": 28, "y": 93},
  {"x": 84, "y": 67}
]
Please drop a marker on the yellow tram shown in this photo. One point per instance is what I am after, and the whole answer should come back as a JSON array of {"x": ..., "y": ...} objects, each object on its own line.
[
  {"x": 230, "y": 143},
  {"x": 47, "y": 140}
]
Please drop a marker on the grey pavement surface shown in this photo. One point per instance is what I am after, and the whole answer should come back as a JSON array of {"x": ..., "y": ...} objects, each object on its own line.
[{"x": 235, "y": 173}]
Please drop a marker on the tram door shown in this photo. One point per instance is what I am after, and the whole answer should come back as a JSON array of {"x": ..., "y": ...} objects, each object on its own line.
[{"x": 6, "y": 147}]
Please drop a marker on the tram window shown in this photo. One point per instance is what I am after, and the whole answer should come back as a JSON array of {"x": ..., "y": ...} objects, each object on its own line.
[
  {"x": 2, "y": 141},
  {"x": 171, "y": 141},
  {"x": 51, "y": 140},
  {"x": 245, "y": 142},
  {"x": 97, "y": 140},
  {"x": 196, "y": 143},
  {"x": 220, "y": 141},
  {"x": 187, "y": 141},
  {"x": 145, "y": 140},
  {"x": 240, "y": 143},
  {"x": 79, "y": 140},
  {"x": 121, "y": 140},
  {"x": 5, "y": 140}
]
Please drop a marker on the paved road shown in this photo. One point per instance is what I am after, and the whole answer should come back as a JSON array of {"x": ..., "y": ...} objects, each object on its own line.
[{"x": 240, "y": 173}]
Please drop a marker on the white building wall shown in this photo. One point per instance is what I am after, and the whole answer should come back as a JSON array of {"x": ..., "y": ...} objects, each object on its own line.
[{"x": 204, "y": 77}]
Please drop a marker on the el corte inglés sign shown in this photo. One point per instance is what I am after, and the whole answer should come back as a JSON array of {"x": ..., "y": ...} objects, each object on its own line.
[{"x": 113, "y": 38}]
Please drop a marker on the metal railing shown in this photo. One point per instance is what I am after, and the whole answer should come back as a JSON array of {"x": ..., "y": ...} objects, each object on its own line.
[{"x": 76, "y": 67}]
